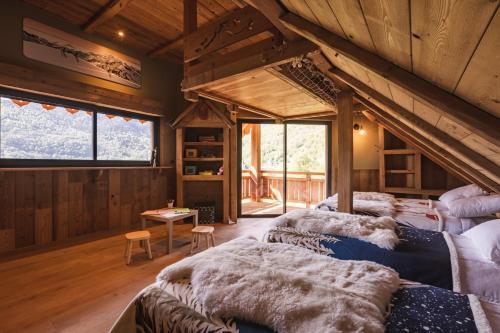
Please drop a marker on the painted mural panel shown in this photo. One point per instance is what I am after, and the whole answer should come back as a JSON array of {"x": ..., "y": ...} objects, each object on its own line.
[{"x": 52, "y": 46}]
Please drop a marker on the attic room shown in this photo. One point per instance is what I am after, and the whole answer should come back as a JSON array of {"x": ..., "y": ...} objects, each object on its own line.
[{"x": 249, "y": 166}]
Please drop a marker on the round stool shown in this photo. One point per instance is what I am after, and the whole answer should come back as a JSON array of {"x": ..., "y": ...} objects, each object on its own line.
[
  {"x": 131, "y": 237},
  {"x": 202, "y": 230}
]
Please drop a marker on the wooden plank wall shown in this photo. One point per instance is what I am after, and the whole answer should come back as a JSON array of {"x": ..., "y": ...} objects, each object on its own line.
[
  {"x": 366, "y": 180},
  {"x": 41, "y": 207}
]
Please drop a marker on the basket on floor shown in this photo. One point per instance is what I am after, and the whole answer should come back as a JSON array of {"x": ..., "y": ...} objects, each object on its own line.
[{"x": 206, "y": 213}]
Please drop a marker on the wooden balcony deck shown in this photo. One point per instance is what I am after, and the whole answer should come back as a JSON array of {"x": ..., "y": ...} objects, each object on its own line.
[{"x": 263, "y": 193}]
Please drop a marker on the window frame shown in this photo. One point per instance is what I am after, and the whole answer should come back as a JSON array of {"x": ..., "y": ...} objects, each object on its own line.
[{"x": 95, "y": 109}]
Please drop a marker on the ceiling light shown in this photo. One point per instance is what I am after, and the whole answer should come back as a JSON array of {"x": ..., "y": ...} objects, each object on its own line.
[
  {"x": 359, "y": 128},
  {"x": 120, "y": 34}
]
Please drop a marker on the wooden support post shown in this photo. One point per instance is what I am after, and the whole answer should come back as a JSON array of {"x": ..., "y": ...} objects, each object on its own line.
[
  {"x": 345, "y": 144},
  {"x": 226, "y": 174},
  {"x": 179, "y": 133},
  {"x": 308, "y": 190},
  {"x": 190, "y": 26},
  {"x": 335, "y": 156},
  {"x": 381, "y": 158},
  {"x": 255, "y": 172},
  {"x": 234, "y": 166}
]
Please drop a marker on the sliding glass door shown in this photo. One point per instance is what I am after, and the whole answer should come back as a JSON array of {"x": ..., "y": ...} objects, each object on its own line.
[{"x": 282, "y": 166}]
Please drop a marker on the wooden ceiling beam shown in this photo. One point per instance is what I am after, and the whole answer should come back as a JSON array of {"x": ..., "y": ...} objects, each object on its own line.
[
  {"x": 233, "y": 27},
  {"x": 258, "y": 56},
  {"x": 245, "y": 107},
  {"x": 306, "y": 116},
  {"x": 469, "y": 116},
  {"x": 105, "y": 14},
  {"x": 446, "y": 160},
  {"x": 273, "y": 10},
  {"x": 396, "y": 110}
]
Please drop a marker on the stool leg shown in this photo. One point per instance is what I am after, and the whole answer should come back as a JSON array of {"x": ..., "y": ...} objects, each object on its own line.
[
  {"x": 197, "y": 240},
  {"x": 148, "y": 249},
  {"x": 213, "y": 239},
  {"x": 193, "y": 240},
  {"x": 129, "y": 251},
  {"x": 126, "y": 248},
  {"x": 207, "y": 241}
]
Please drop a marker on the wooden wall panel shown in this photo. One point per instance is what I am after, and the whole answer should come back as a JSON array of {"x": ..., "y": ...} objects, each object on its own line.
[
  {"x": 366, "y": 180},
  {"x": 40, "y": 207}
]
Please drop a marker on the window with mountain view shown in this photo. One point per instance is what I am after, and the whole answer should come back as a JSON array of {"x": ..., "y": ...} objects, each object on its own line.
[
  {"x": 38, "y": 132},
  {"x": 123, "y": 139},
  {"x": 31, "y": 130}
]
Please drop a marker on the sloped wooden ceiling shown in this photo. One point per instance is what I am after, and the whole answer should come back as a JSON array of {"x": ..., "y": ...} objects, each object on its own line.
[
  {"x": 452, "y": 44},
  {"x": 150, "y": 26}
]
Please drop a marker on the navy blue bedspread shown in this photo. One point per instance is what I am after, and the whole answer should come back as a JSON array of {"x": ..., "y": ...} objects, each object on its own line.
[
  {"x": 421, "y": 256},
  {"x": 416, "y": 309}
]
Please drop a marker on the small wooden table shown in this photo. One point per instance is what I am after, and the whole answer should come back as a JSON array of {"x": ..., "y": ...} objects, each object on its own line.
[{"x": 167, "y": 215}]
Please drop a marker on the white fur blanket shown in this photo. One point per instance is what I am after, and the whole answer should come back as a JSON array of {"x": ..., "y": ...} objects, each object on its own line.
[
  {"x": 380, "y": 231},
  {"x": 287, "y": 288},
  {"x": 379, "y": 207}
]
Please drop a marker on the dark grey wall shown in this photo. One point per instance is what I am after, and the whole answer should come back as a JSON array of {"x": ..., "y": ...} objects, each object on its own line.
[{"x": 161, "y": 79}]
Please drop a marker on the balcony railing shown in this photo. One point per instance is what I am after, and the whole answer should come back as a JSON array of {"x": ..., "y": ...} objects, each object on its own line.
[{"x": 302, "y": 187}]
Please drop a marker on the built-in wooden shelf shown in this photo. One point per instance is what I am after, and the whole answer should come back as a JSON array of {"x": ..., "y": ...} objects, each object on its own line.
[
  {"x": 193, "y": 178},
  {"x": 216, "y": 143},
  {"x": 409, "y": 190},
  {"x": 203, "y": 159},
  {"x": 400, "y": 171}
]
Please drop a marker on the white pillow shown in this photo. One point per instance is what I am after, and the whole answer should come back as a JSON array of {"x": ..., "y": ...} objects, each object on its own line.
[
  {"x": 474, "y": 207},
  {"x": 461, "y": 192},
  {"x": 486, "y": 238}
]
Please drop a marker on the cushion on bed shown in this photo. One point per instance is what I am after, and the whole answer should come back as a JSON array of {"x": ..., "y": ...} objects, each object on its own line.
[
  {"x": 475, "y": 206},
  {"x": 486, "y": 238},
  {"x": 461, "y": 192}
]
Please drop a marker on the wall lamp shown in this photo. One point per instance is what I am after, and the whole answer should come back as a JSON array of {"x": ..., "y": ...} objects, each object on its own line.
[{"x": 358, "y": 127}]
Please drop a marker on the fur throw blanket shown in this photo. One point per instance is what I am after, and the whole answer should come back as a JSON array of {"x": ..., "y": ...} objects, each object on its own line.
[
  {"x": 380, "y": 231},
  {"x": 287, "y": 288},
  {"x": 363, "y": 203}
]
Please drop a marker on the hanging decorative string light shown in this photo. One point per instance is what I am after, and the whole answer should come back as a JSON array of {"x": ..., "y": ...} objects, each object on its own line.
[
  {"x": 127, "y": 119},
  {"x": 142, "y": 121},
  {"x": 48, "y": 107},
  {"x": 72, "y": 111},
  {"x": 110, "y": 116},
  {"x": 89, "y": 113},
  {"x": 19, "y": 102}
]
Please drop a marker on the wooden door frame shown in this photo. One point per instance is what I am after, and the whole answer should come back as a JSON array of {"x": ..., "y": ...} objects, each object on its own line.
[{"x": 328, "y": 165}]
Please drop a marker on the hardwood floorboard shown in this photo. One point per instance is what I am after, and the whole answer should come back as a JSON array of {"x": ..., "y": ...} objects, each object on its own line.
[{"x": 85, "y": 287}]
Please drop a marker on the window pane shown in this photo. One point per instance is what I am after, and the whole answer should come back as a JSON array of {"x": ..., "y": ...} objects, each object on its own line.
[
  {"x": 123, "y": 139},
  {"x": 31, "y": 130}
]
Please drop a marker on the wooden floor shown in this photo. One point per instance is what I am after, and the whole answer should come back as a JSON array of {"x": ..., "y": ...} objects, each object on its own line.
[{"x": 85, "y": 287}]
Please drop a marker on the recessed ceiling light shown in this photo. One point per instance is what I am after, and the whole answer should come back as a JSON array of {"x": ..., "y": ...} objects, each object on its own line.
[{"x": 120, "y": 34}]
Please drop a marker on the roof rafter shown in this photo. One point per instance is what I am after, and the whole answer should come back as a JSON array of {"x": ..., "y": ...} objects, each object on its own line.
[
  {"x": 273, "y": 10},
  {"x": 105, "y": 14},
  {"x": 465, "y": 114},
  {"x": 396, "y": 110}
]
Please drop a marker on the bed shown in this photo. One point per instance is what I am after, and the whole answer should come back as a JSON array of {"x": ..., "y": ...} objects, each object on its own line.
[
  {"x": 177, "y": 303},
  {"x": 419, "y": 213},
  {"x": 435, "y": 258}
]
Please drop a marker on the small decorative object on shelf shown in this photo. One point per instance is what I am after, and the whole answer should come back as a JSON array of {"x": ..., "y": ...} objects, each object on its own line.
[
  {"x": 206, "y": 138},
  {"x": 221, "y": 171},
  {"x": 206, "y": 173},
  {"x": 170, "y": 203},
  {"x": 191, "y": 152},
  {"x": 190, "y": 170},
  {"x": 153, "y": 157}
]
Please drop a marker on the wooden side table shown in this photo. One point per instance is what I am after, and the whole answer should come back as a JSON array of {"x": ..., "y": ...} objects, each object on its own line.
[{"x": 167, "y": 216}]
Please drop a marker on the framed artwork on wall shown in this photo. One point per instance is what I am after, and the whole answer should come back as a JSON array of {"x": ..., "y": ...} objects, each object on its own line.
[{"x": 56, "y": 47}]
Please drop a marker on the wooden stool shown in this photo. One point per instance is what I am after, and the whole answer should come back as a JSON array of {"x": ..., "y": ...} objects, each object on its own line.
[
  {"x": 202, "y": 230},
  {"x": 142, "y": 235}
]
